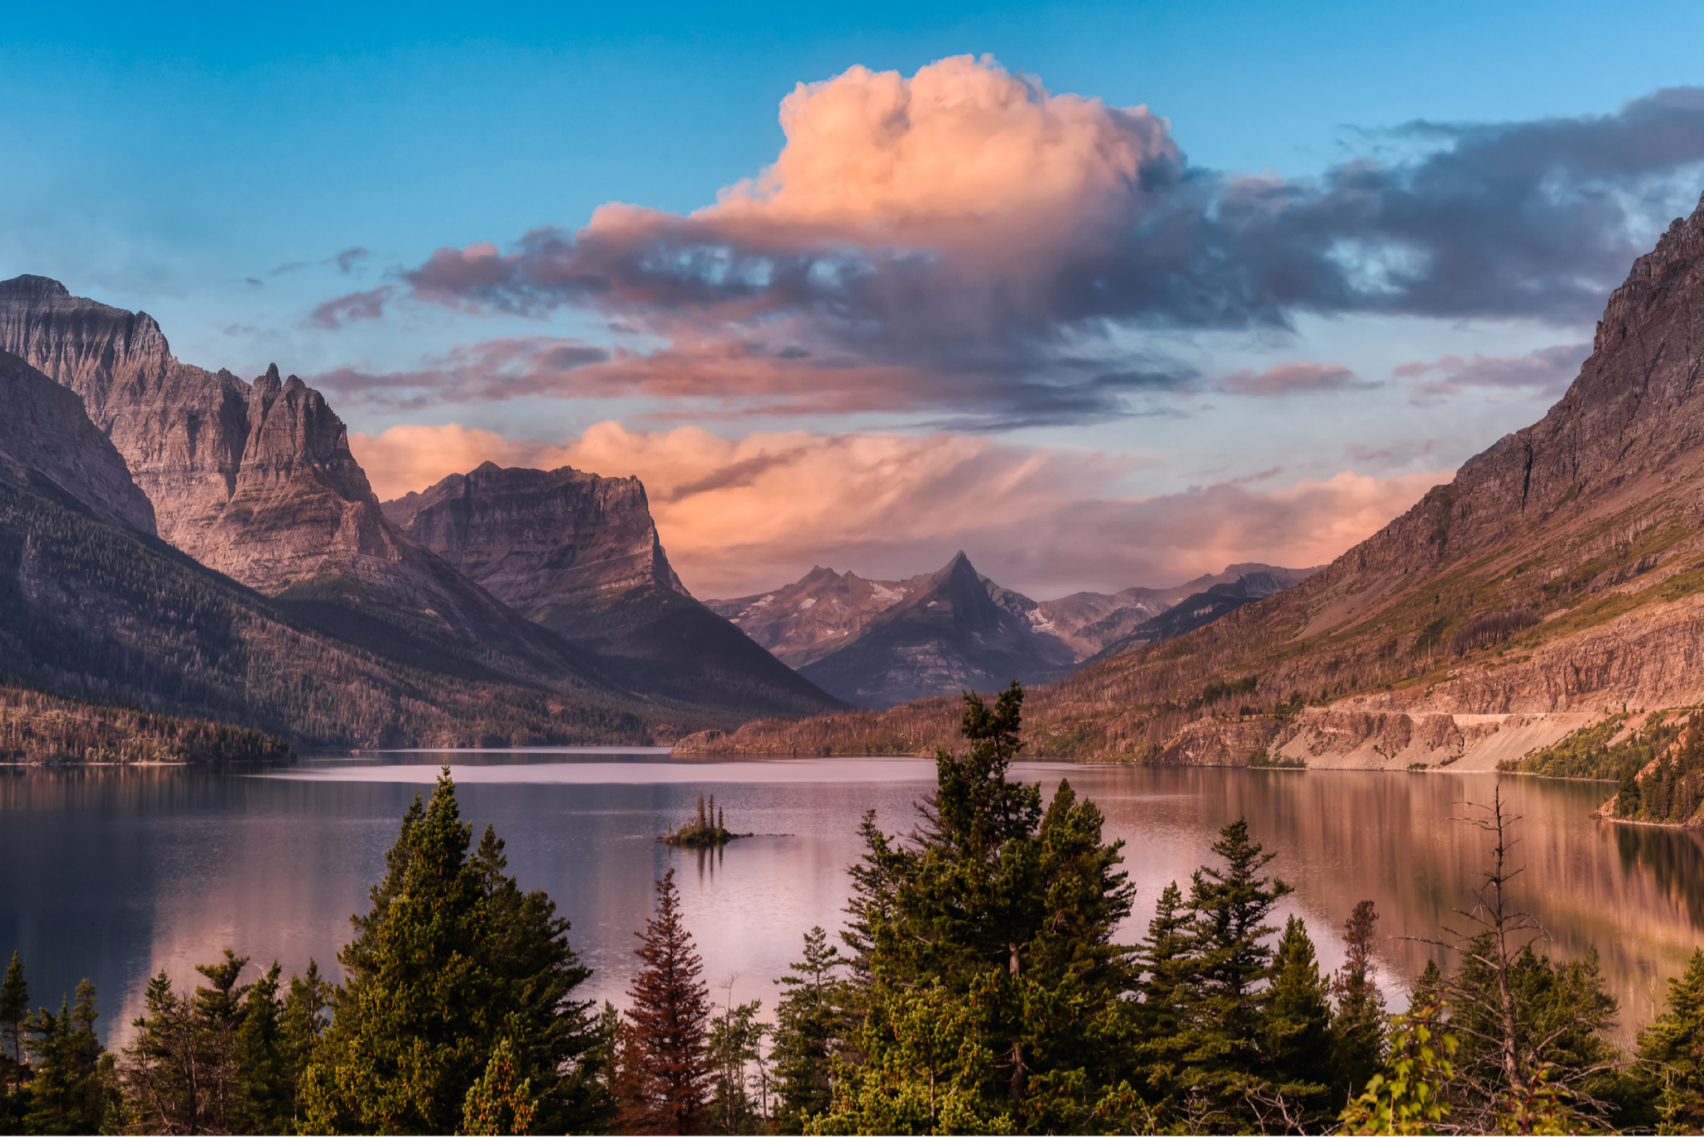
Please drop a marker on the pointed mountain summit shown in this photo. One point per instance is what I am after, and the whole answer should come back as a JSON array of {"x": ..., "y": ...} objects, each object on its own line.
[
  {"x": 580, "y": 555},
  {"x": 947, "y": 636}
]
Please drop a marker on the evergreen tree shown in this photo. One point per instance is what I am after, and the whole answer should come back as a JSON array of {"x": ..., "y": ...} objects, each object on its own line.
[
  {"x": 807, "y": 1029},
  {"x": 1671, "y": 1053},
  {"x": 735, "y": 1042},
  {"x": 451, "y": 961},
  {"x": 1165, "y": 962},
  {"x": 995, "y": 895},
  {"x": 1410, "y": 1095},
  {"x": 666, "y": 1074},
  {"x": 1358, "y": 1028},
  {"x": 501, "y": 1101},
  {"x": 14, "y": 1013},
  {"x": 1297, "y": 1037},
  {"x": 1227, "y": 994},
  {"x": 74, "y": 1088}
]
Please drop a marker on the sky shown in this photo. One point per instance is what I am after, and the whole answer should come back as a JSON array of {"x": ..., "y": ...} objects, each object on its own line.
[{"x": 1103, "y": 295}]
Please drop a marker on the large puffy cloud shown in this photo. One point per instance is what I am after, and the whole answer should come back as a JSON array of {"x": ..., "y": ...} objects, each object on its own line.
[
  {"x": 976, "y": 233},
  {"x": 741, "y": 516}
]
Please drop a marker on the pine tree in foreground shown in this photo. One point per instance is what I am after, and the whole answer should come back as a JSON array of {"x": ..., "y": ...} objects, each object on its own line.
[
  {"x": 664, "y": 1074},
  {"x": 452, "y": 963},
  {"x": 1671, "y": 1053},
  {"x": 807, "y": 1033},
  {"x": 74, "y": 1088}
]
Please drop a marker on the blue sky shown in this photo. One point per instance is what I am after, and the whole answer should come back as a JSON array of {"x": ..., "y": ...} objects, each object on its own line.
[{"x": 209, "y": 165}]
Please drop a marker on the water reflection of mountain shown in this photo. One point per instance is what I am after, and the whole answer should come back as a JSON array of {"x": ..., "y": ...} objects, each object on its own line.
[{"x": 117, "y": 872}]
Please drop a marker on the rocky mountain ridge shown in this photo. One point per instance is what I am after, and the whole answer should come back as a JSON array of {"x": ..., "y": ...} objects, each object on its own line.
[
  {"x": 579, "y": 554},
  {"x": 1558, "y": 576},
  {"x": 948, "y": 634},
  {"x": 824, "y": 611}
]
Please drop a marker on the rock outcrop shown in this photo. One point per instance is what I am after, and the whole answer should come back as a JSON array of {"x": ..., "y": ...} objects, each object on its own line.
[
  {"x": 580, "y": 555},
  {"x": 43, "y": 427}
]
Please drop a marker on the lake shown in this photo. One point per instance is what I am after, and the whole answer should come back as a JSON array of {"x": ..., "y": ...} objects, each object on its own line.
[{"x": 117, "y": 872}]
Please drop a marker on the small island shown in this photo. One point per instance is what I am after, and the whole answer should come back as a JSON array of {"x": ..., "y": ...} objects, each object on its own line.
[{"x": 707, "y": 831}]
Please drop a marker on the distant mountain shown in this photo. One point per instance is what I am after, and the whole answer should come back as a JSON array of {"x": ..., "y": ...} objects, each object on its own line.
[
  {"x": 946, "y": 635},
  {"x": 818, "y": 614},
  {"x": 1250, "y": 583},
  {"x": 94, "y": 607},
  {"x": 824, "y": 610},
  {"x": 579, "y": 554}
]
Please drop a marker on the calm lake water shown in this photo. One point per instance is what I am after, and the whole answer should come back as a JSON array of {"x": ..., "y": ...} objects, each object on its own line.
[{"x": 115, "y": 873}]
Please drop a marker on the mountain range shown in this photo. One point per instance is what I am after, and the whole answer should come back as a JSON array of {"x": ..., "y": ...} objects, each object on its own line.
[
  {"x": 1558, "y": 576},
  {"x": 208, "y": 533},
  {"x": 877, "y": 643}
]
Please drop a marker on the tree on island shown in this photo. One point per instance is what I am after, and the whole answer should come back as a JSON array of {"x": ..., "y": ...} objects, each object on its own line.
[{"x": 663, "y": 1067}]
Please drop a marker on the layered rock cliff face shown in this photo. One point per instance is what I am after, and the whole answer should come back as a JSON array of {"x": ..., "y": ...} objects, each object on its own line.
[
  {"x": 580, "y": 554},
  {"x": 541, "y": 540},
  {"x": 1558, "y": 576},
  {"x": 255, "y": 480},
  {"x": 43, "y": 427}
]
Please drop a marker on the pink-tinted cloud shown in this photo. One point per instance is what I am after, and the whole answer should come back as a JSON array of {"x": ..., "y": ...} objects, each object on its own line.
[
  {"x": 733, "y": 378},
  {"x": 1300, "y": 378},
  {"x": 741, "y": 516},
  {"x": 977, "y": 233},
  {"x": 1546, "y": 372}
]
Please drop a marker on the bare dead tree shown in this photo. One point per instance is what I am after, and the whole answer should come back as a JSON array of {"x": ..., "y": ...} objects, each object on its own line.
[{"x": 1507, "y": 1071}]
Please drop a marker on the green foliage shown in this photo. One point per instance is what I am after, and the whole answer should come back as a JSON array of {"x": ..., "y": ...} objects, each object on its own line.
[
  {"x": 73, "y": 1088},
  {"x": 1408, "y": 1096},
  {"x": 733, "y": 1046},
  {"x": 929, "y": 1067},
  {"x": 1226, "y": 993},
  {"x": 1588, "y": 752},
  {"x": 37, "y": 727},
  {"x": 1261, "y": 760},
  {"x": 452, "y": 961},
  {"x": 990, "y": 929},
  {"x": 1671, "y": 1053},
  {"x": 1298, "y": 1036},
  {"x": 808, "y": 1033},
  {"x": 501, "y": 1100},
  {"x": 708, "y": 831}
]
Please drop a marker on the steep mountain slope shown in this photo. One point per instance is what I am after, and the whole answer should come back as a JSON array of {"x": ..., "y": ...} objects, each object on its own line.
[
  {"x": 1560, "y": 574},
  {"x": 580, "y": 555},
  {"x": 43, "y": 427},
  {"x": 257, "y": 481},
  {"x": 1197, "y": 610},
  {"x": 947, "y": 635},
  {"x": 91, "y": 608}
]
